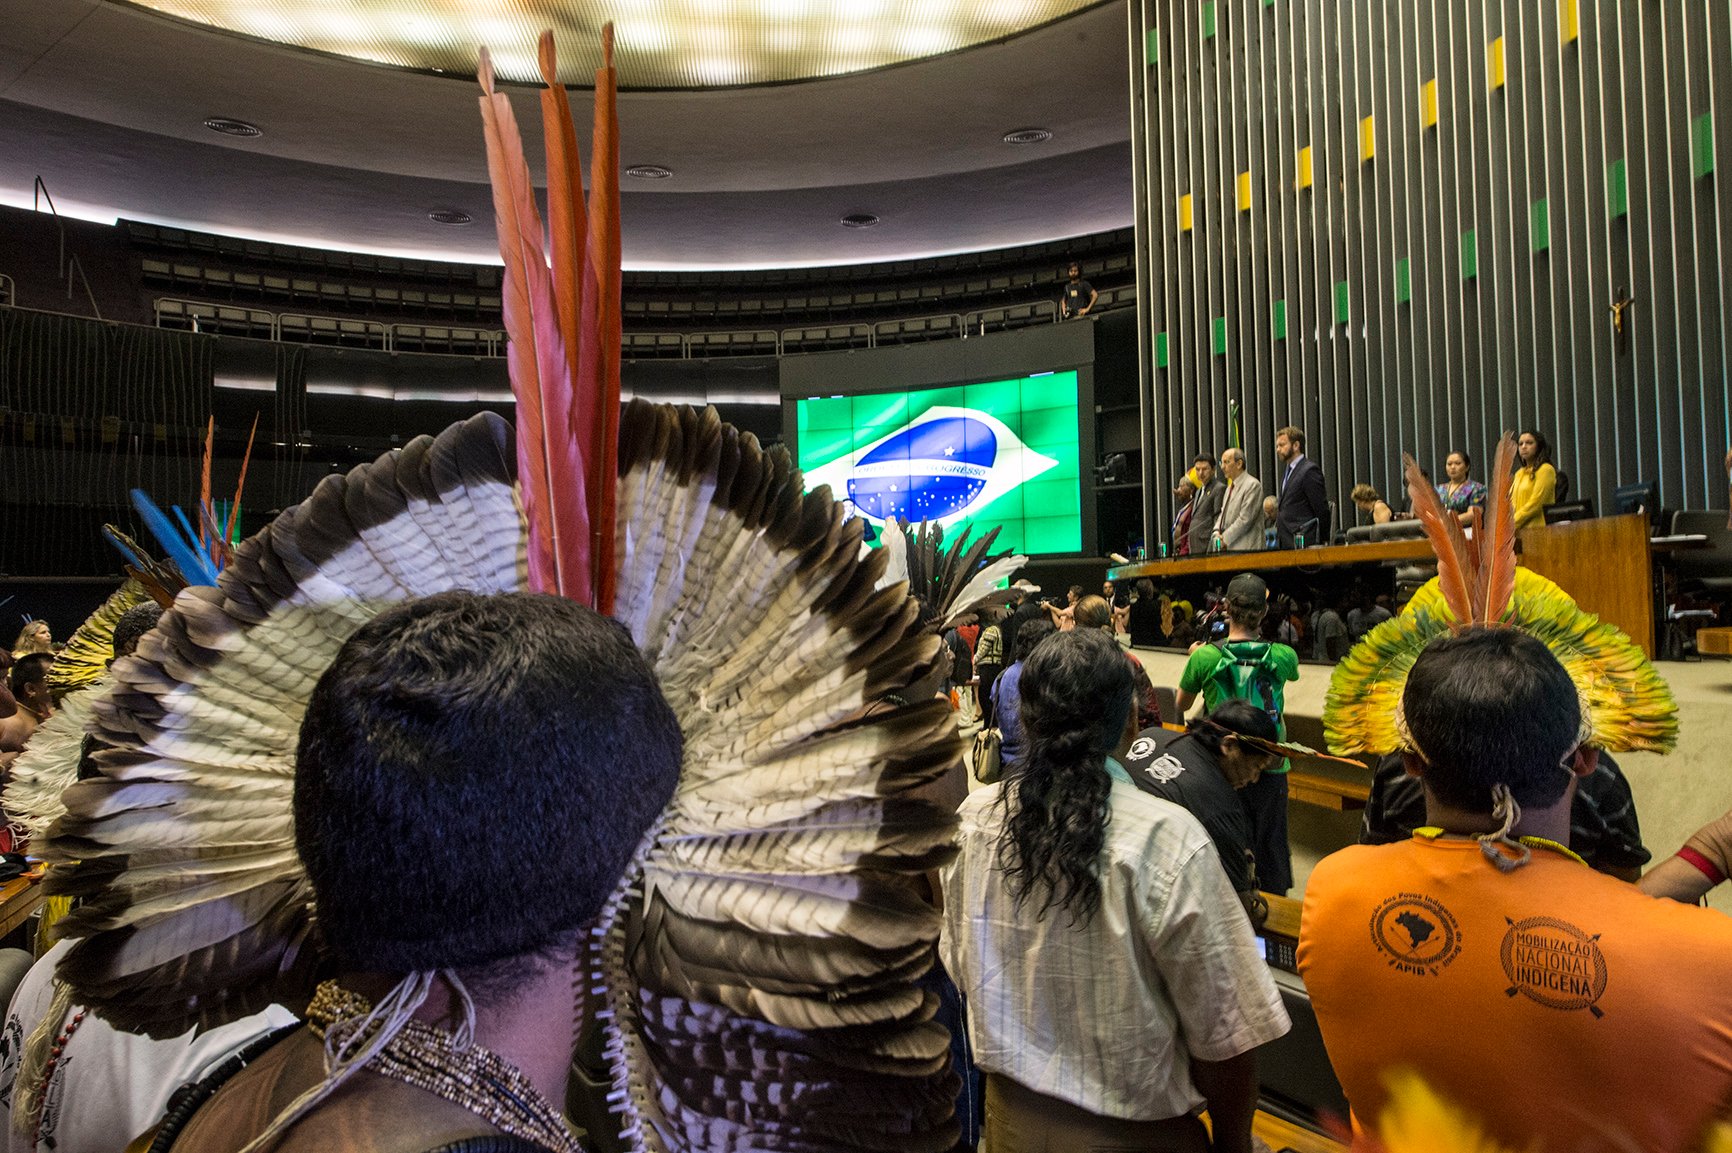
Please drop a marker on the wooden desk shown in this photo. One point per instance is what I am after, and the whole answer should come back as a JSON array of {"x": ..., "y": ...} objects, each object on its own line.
[
  {"x": 1326, "y": 556},
  {"x": 1283, "y": 915},
  {"x": 1604, "y": 564},
  {"x": 19, "y": 898}
]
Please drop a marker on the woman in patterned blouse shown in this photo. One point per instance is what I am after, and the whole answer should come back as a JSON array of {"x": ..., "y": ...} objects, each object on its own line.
[{"x": 1461, "y": 493}]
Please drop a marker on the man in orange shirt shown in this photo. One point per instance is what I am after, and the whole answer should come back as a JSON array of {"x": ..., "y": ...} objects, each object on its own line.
[{"x": 1563, "y": 1007}]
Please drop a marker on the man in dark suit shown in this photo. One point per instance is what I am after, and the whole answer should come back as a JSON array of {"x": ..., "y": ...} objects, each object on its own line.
[
  {"x": 1299, "y": 493},
  {"x": 1206, "y": 505}
]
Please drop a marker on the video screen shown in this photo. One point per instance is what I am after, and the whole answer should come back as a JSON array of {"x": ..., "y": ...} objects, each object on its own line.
[{"x": 1002, "y": 452}]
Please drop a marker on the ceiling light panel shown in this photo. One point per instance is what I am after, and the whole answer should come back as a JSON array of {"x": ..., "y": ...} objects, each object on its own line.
[{"x": 658, "y": 43}]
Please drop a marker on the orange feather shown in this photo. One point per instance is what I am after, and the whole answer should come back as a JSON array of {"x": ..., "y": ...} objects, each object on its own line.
[
  {"x": 604, "y": 258},
  {"x": 565, "y": 210},
  {"x": 549, "y": 461},
  {"x": 240, "y": 483},
  {"x": 204, "y": 486},
  {"x": 1444, "y": 531},
  {"x": 1495, "y": 583}
]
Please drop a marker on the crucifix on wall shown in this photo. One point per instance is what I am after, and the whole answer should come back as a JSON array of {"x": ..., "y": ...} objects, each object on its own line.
[{"x": 1621, "y": 303}]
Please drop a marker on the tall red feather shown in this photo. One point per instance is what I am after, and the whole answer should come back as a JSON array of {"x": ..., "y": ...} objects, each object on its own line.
[
  {"x": 1495, "y": 581},
  {"x": 567, "y": 220},
  {"x": 1454, "y": 566},
  {"x": 550, "y": 464},
  {"x": 604, "y": 259}
]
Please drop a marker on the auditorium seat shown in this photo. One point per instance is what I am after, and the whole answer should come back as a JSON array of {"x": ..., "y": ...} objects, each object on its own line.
[{"x": 1708, "y": 569}]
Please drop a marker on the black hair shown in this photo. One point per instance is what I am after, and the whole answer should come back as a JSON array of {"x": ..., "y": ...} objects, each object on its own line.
[
  {"x": 1543, "y": 448},
  {"x": 133, "y": 624},
  {"x": 1031, "y": 634},
  {"x": 28, "y": 669},
  {"x": 1235, "y": 716},
  {"x": 1491, "y": 706},
  {"x": 1204, "y": 458},
  {"x": 1076, "y": 695},
  {"x": 1461, "y": 452},
  {"x": 474, "y": 775}
]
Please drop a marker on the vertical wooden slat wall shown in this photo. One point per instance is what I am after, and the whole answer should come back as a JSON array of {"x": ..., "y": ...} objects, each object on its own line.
[{"x": 1486, "y": 181}]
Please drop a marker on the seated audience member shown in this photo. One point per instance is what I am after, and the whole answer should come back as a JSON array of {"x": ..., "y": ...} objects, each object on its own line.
[
  {"x": 28, "y": 685},
  {"x": 1181, "y": 624},
  {"x": 1329, "y": 631},
  {"x": 1460, "y": 493},
  {"x": 1239, "y": 525},
  {"x": 1370, "y": 502},
  {"x": 1199, "y": 771},
  {"x": 1365, "y": 615},
  {"x": 1279, "y": 624},
  {"x": 1114, "y": 986},
  {"x": 1483, "y": 954},
  {"x": 33, "y": 638},
  {"x": 1534, "y": 486},
  {"x": 1006, "y": 694},
  {"x": 1604, "y": 830},
  {"x": 516, "y": 710},
  {"x": 1093, "y": 613},
  {"x": 1246, "y": 667},
  {"x": 1271, "y": 539}
]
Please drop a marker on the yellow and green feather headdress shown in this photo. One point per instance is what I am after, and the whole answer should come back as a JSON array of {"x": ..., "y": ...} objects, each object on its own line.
[{"x": 1625, "y": 704}]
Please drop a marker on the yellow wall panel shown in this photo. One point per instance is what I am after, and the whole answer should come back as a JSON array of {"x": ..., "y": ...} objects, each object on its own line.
[
  {"x": 1494, "y": 63},
  {"x": 1304, "y": 180},
  {"x": 1244, "y": 192},
  {"x": 1569, "y": 21},
  {"x": 1185, "y": 217},
  {"x": 1367, "y": 138},
  {"x": 1428, "y": 104}
]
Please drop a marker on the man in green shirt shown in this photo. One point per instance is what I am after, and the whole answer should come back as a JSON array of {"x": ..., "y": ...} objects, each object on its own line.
[{"x": 1246, "y": 667}]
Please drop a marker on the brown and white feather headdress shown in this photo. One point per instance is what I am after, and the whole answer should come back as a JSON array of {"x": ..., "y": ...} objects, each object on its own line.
[{"x": 759, "y": 962}]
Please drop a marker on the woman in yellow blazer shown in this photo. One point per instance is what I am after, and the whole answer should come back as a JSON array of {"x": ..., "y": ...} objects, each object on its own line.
[{"x": 1535, "y": 484}]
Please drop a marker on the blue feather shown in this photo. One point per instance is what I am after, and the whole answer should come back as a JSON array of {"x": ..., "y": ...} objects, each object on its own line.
[{"x": 188, "y": 557}]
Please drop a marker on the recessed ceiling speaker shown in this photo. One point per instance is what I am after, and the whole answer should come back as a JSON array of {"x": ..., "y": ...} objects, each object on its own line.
[
  {"x": 649, "y": 172},
  {"x": 231, "y": 127},
  {"x": 451, "y": 216},
  {"x": 859, "y": 220},
  {"x": 1027, "y": 136}
]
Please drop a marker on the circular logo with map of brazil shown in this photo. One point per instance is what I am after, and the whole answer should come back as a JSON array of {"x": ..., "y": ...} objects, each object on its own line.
[{"x": 1415, "y": 934}]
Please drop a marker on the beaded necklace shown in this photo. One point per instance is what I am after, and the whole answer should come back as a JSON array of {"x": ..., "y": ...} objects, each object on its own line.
[{"x": 473, "y": 1077}]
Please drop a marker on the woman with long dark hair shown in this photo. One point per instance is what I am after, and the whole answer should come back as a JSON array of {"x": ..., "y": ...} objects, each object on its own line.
[
  {"x": 1535, "y": 483},
  {"x": 1114, "y": 986}
]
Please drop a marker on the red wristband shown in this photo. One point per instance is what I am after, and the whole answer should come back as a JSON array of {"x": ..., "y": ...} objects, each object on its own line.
[{"x": 1708, "y": 868}]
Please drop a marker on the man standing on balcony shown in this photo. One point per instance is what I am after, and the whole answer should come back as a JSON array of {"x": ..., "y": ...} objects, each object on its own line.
[{"x": 1079, "y": 295}]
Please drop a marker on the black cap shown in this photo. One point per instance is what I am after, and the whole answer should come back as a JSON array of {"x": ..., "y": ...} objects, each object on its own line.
[{"x": 1248, "y": 590}]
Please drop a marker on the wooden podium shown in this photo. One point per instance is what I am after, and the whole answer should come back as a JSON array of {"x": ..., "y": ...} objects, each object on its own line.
[{"x": 1604, "y": 564}]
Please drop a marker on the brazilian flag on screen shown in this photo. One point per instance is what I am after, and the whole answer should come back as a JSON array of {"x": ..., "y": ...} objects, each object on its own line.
[{"x": 1000, "y": 453}]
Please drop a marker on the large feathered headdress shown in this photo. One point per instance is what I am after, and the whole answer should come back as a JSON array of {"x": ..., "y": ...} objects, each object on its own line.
[
  {"x": 1625, "y": 704},
  {"x": 756, "y": 968}
]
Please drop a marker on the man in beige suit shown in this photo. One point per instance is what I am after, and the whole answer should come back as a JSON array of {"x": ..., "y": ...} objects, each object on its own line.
[{"x": 1239, "y": 526}]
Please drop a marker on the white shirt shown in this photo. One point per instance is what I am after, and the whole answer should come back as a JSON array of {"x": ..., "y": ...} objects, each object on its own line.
[
  {"x": 108, "y": 1086},
  {"x": 1108, "y": 1015}
]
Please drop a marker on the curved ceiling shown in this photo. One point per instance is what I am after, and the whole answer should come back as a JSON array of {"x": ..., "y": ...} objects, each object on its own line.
[
  {"x": 107, "y": 103},
  {"x": 658, "y": 43}
]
